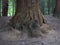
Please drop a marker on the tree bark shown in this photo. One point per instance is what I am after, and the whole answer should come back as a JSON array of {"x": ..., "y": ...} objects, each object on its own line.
[
  {"x": 57, "y": 9},
  {"x": 27, "y": 13},
  {"x": 4, "y": 7}
]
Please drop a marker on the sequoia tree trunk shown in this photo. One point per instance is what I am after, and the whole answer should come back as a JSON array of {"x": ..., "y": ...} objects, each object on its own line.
[
  {"x": 57, "y": 9},
  {"x": 27, "y": 12}
]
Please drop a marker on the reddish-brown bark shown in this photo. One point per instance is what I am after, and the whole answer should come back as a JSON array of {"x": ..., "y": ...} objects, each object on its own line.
[
  {"x": 57, "y": 8},
  {"x": 27, "y": 11}
]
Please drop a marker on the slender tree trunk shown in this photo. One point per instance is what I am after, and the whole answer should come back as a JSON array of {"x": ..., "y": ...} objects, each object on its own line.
[
  {"x": 27, "y": 12},
  {"x": 48, "y": 6},
  {"x": 14, "y": 3},
  {"x": 5, "y": 8},
  {"x": 57, "y": 9},
  {"x": 42, "y": 5},
  {"x": 0, "y": 7},
  {"x": 53, "y": 5}
]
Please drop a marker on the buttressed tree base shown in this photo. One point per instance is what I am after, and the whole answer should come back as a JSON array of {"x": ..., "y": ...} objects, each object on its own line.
[{"x": 28, "y": 16}]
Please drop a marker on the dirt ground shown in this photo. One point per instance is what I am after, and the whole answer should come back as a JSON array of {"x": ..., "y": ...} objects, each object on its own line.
[{"x": 50, "y": 39}]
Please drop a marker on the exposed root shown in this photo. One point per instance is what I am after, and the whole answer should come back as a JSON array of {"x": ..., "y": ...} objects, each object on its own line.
[{"x": 12, "y": 35}]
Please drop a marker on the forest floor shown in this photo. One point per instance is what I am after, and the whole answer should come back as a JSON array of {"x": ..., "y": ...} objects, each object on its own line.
[{"x": 52, "y": 39}]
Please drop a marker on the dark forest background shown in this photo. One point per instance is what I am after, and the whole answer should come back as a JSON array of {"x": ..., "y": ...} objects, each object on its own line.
[{"x": 47, "y": 7}]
